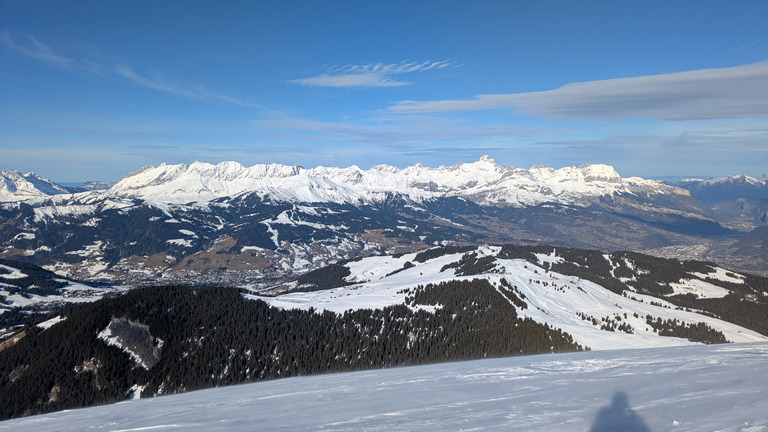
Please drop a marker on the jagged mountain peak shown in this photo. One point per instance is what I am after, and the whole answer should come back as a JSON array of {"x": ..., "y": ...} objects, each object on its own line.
[{"x": 15, "y": 187}]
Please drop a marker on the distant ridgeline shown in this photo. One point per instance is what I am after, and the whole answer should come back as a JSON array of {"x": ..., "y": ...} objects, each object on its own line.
[
  {"x": 29, "y": 294},
  {"x": 211, "y": 337},
  {"x": 25, "y": 280}
]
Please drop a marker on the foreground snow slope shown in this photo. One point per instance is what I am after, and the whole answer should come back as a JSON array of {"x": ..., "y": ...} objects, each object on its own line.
[{"x": 697, "y": 388}]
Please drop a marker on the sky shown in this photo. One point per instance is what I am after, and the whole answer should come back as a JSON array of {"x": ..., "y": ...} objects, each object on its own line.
[{"x": 92, "y": 90}]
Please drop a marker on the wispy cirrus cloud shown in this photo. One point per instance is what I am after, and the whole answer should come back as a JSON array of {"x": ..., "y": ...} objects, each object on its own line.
[
  {"x": 132, "y": 134},
  {"x": 735, "y": 92},
  {"x": 35, "y": 49},
  {"x": 168, "y": 85},
  {"x": 370, "y": 75}
]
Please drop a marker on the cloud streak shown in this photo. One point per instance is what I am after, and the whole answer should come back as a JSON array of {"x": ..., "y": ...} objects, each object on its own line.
[
  {"x": 37, "y": 50},
  {"x": 407, "y": 129},
  {"x": 735, "y": 92},
  {"x": 369, "y": 75},
  {"x": 115, "y": 133},
  {"x": 166, "y": 85}
]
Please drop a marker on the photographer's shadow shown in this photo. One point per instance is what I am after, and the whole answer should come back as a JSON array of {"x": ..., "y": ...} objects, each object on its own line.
[{"x": 618, "y": 417}]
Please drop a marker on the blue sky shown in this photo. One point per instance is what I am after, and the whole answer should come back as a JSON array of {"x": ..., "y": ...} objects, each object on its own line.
[{"x": 91, "y": 90}]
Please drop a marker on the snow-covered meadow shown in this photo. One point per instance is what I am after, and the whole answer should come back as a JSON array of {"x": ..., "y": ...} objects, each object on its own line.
[{"x": 692, "y": 388}]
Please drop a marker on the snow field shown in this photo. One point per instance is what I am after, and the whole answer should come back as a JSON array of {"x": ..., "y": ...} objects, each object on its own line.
[{"x": 684, "y": 389}]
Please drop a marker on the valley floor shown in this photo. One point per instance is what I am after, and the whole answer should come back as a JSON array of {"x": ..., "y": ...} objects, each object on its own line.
[{"x": 691, "y": 388}]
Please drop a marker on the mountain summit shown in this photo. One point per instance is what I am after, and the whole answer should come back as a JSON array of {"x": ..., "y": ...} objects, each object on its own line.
[{"x": 15, "y": 187}]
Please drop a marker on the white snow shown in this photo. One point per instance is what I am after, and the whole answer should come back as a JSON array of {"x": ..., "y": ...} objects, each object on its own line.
[
  {"x": 723, "y": 275},
  {"x": 273, "y": 234},
  {"x": 18, "y": 300},
  {"x": 180, "y": 242},
  {"x": 54, "y": 212},
  {"x": 552, "y": 258},
  {"x": 188, "y": 233},
  {"x": 246, "y": 249},
  {"x": 291, "y": 217},
  {"x": 23, "y": 236},
  {"x": 744, "y": 179},
  {"x": 51, "y": 322},
  {"x": 13, "y": 273},
  {"x": 135, "y": 392},
  {"x": 699, "y": 288},
  {"x": 684, "y": 389},
  {"x": 30, "y": 252},
  {"x": 89, "y": 250}
]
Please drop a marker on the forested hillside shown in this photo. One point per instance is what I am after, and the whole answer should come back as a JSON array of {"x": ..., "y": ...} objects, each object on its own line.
[{"x": 212, "y": 336}]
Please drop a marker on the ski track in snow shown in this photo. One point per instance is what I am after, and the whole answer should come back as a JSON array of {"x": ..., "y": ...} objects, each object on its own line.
[{"x": 693, "y": 388}]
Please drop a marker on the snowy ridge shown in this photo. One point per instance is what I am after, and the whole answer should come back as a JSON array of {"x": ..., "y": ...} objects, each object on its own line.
[
  {"x": 742, "y": 179},
  {"x": 552, "y": 298},
  {"x": 15, "y": 187},
  {"x": 482, "y": 181}
]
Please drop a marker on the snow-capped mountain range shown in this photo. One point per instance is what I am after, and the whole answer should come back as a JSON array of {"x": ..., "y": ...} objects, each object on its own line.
[
  {"x": 184, "y": 221},
  {"x": 483, "y": 181},
  {"x": 727, "y": 188}
]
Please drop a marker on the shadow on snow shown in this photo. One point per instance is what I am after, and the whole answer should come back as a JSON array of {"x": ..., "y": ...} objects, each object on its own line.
[{"x": 618, "y": 416}]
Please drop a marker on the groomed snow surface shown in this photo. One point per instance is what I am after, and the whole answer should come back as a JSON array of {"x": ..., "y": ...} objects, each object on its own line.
[{"x": 693, "y": 388}]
